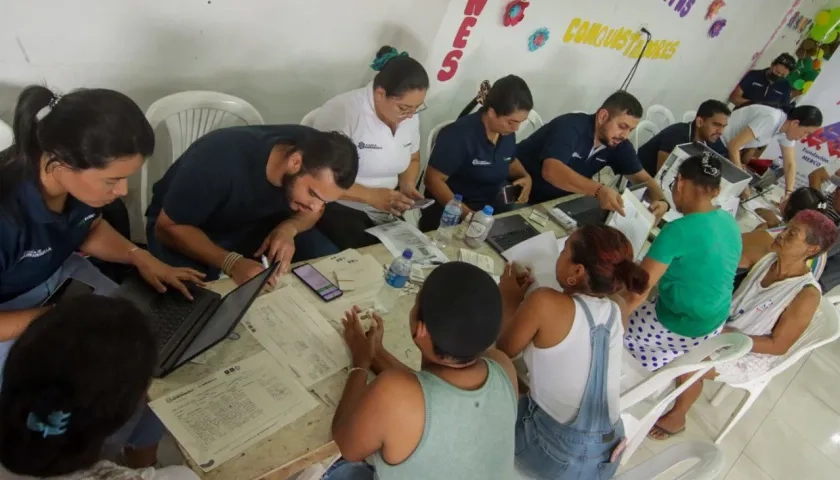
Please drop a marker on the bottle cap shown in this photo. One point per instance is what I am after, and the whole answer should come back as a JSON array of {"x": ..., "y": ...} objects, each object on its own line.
[
  {"x": 407, "y": 254},
  {"x": 488, "y": 210},
  {"x": 459, "y": 197}
]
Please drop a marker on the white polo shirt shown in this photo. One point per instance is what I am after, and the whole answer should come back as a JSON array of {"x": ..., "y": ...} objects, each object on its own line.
[
  {"x": 764, "y": 122},
  {"x": 383, "y": 154}
]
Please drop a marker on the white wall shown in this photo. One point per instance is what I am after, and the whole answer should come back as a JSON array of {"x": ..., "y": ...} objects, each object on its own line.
[{"x": 787, "y": 39}]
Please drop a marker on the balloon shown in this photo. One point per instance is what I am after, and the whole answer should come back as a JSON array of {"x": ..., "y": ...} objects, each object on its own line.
[
  {"x": 798, "y": 84},
  {"x": 817, "y": 64},
  {"x": 832, "y": 36},
  {"x": 807, "y": 87},
  {"x": 822, "y": 18},
  {"x": 820, "y": 53},
  {"x": 819, "y": 33}
]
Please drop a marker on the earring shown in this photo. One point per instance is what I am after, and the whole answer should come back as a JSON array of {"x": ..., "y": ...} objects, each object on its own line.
[{"x": 571, "y": 281}]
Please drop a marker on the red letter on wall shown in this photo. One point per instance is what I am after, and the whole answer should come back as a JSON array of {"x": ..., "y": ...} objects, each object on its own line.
[
  {"x": 474, "y": 7},
  {"x": 460, "y": 40},
  {"x": 449, "y": 65}
]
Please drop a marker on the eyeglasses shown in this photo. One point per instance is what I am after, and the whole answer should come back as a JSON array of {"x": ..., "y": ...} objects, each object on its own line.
[{"x": 409, "y": 111}]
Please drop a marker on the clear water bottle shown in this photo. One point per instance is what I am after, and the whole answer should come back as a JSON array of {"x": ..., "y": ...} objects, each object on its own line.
[
  {"x": 395, "y": 280},
  {"x": 479, "y": 227},
  {"x": 450, "y": 217}
]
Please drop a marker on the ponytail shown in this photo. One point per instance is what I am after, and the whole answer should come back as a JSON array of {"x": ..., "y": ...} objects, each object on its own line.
[
  {"x": 632, "y": 276},
  {"x": 607, "y": 256}
]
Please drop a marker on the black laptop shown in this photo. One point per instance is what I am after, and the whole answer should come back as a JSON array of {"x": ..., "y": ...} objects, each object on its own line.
[
  {"x": 509, "y": 231},
  {"x": 183, "y": 328},
  {"x": 588, "y": 211}
]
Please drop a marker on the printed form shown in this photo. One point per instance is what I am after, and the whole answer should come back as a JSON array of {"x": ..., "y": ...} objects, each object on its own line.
[{"x": 222, "y": 415}]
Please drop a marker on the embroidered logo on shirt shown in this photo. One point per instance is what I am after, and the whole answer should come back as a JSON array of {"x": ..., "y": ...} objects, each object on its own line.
[
  {"x": 36, "y": 253},
  {"x": 371, "y": 146},
  {"x": 482, "y": 163},
  {"x": 758, "y": 84},
  {"x": 599, "y": 159},
  {"x": 508, "y": 159},
  {"x": 87, "y": 219},
  {"x": 575, "y": 155}
]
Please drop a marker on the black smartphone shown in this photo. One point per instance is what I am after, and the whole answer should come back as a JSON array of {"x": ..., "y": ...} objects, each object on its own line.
[
  {"x": 511, "y": 193},
  {"x": 68, "y": 289},
  {"x": 317, "y": 282}
]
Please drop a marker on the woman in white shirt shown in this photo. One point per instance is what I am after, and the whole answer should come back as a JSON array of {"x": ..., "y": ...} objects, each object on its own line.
[
  {"x": 755, "y": 126},
  {"x": 380, "y": 119}
]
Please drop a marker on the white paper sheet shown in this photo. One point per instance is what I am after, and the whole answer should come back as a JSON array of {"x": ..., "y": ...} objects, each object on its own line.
[
  {"x": 225, "y": 413},
  {"x": 540, "y": 255},
  {"x": 297, "y": 335},
  {"x": 636, "y": 222},
  {"x": 398, "y": 236},
  {"x": 367, "y": 276},
  {"x": 479, "y": 260}
]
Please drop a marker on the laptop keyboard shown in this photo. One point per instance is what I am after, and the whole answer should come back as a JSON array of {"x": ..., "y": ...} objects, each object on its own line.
[
  {"x": 170, "y": 310},
  {"x": 511, "y": 239}
]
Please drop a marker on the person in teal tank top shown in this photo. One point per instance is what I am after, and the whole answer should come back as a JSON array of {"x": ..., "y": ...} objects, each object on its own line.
[
  {"x": 693, "y": 262},
  {"x": 453, "y": 419}
]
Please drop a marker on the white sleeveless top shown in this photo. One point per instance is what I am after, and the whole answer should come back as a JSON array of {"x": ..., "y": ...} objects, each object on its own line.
[{"x": 558, "y": 374}]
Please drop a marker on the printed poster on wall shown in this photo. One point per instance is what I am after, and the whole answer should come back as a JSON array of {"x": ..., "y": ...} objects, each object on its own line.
[{"x": 823, "y": 147}]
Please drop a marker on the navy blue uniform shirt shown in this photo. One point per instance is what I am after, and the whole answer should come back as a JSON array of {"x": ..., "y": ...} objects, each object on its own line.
[
  {"x": 476, "y": 168},
  {"x": 35, "y": 241},
  {"x": 219, "y": 183},
  {"x": 757, "y": 88},
  {"x": 570, "y": 138},
  {"x": 667, "y": 139}
]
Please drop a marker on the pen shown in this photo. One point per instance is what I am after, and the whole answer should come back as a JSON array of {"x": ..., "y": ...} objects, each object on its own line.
[{"x": 264, "y": 262}]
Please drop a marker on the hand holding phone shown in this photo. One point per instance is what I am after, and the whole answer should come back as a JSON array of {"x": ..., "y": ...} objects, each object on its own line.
[{"x": 421, "y": 204}]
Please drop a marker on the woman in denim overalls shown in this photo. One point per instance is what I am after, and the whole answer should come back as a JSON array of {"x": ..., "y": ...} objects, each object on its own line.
[
  {"x": 568, "y": 425},
  {"x": 71, "y": 156}
]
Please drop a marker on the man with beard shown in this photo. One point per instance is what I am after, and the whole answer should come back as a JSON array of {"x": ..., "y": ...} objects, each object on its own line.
[
  {"x": 706, "y": 128},
  {"x": 768, "y": 85},
  {"x": 564, "y": 154},
  {"x": 242, "y": 192}
]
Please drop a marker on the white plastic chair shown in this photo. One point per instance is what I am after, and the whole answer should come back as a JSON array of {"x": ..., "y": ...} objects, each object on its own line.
[
  {"x": 660, "y": 116},
  {"x": 824, "y": 328},
  {"x": 309, "y": 119},
  {"x": 709, "y": 462},
  {"x": 190, "y": 115},
  {"x": 726, "y": 347},
  {"x": 689, "y": 116},
  {"x": 430, "y": 144},
  {"x": 644, "y": 131},
  {"x": 529, "y": 126},
  {"x": 7, "y": 136}
]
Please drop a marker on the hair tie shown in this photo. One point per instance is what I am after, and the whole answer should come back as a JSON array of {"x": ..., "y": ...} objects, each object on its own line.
[
  {"x": 707, "y": 168},
  {"x": 483, "y": 90},
  {"x": 49, "y": 108},
  {"x": 380, "y": 61},
  {"x": 56, "y": 424}
]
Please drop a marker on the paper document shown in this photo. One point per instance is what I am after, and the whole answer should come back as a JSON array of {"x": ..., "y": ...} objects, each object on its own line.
[
  {"x": 297, "y": 335},
  {"x": 222, "y": 415},
  {"x": 540, "y": 255},
  {"x": 479, "y": 260},
  {"x": 399, "y": 236},
  {"x": 367, "y": 278},
  {"x": 636, "y": 222},
  {"x": 731, "y": 206}
]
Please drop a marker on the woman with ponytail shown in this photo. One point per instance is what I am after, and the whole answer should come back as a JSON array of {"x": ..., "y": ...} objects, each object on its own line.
[
  {"x": 71, "y": 156},
  {"x": 568, "y": 425}
]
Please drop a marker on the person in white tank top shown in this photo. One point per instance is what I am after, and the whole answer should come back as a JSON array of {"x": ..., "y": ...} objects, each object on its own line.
[
  {"x": 773, "y": 306},
  {"x": 572, "y": 344}
]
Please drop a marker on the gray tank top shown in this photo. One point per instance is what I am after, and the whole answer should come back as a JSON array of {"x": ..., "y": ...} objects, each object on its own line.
[{"x": 468, "y": 434}]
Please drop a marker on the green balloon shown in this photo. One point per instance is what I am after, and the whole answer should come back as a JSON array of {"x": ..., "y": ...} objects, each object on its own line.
[
  {"x": 832, "y": 36},
  {"x": 798, "y": 84},
  {"x": 820, "y": 32}
]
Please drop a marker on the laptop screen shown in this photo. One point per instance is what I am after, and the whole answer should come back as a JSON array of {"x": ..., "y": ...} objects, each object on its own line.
[{"x": 231, "y": 309}]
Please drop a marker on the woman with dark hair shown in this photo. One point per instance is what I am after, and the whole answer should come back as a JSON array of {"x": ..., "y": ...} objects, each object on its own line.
[
  {"x": 755, "y": 126},
  {"x": 692, "y": 262},
  {"x": 773, "y": 306},
  {"x": 476, "y": 156},
  {"x": 381, "y": 120},
  {"x": 65, "y": 393},
  {"x": 571, "y": 342},
  {"x": 71, "y": 156}
]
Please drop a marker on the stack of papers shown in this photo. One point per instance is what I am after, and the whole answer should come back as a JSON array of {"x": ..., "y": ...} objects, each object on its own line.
[
  {"x": 479, "y": 260},
  {"x": 636, "y": 222},
  {"x": 540, "y": 255},
  {"x": 364, "y": 275},
  {"x": 400, "y": 236}
]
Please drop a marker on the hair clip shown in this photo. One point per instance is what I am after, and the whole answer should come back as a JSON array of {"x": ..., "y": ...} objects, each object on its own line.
[
  {"x": 707, "y": 168},
  {"x": 380, "y": 61},
  {"x": 56, "y": 423},
  {"x": 822, "y": 206},
  {"x": 49, "y": 108},
  {"x": 483, "y": 90}
]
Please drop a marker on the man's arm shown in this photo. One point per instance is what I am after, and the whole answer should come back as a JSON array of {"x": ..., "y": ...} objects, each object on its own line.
[
  {"x": 302, "y": 221},
  {"x": 661, "y": 158},
  {"x": 789, "y": 166},
  {"x": 189, "y": 240},
  {"x": 737, "y": 96},
  {"x": 642, "y": 176}
]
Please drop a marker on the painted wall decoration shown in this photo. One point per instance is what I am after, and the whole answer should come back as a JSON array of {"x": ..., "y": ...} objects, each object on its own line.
[
  {"x": 538, "y": 39},
  {"x": 628, "y": 40},
  {"x": 449, "y": 66},
  {"x": 784, "y": 21},
  {"x": 680, "y": 6},
  {"x": 717, "y": 27},
  {"x": 799, "y": 22},
  {"x": 515, "y": 12},
  {"x": 714, "y": 8}
]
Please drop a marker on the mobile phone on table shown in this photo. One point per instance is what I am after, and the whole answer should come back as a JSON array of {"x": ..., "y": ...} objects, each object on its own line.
[
  {"x": 69, "y": 288},
  {"x": 511, "y": 193},
  {"x": 421, "y": 204},
  {"x": 317, "y": 282}
]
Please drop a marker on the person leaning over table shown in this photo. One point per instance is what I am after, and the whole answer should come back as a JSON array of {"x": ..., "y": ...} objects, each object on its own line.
[
  {"x": 766, "y": 85},
  {"x": 706, "y": 128},
  {"x": 241, "y": 192},
  {"x": 453, "y": 419},
  {"x": 381, "y": 119},
  {"x": 692, "y": 262},
  {"x": 563, "y": 155},
  {"x": 72, "y": 155},
  {"x": 476, "y": 155}
]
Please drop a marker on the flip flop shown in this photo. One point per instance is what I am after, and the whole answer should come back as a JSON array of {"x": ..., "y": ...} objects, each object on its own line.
[{"x": 663, "y": 434}]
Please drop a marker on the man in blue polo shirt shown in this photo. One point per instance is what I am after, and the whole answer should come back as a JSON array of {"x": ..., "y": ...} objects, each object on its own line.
[
  {"x": 564, "y": 154},
  {"x": 706, "y": 128},
  {"x": 240, "y": 192},
  {"x": 766, "y": 85}
]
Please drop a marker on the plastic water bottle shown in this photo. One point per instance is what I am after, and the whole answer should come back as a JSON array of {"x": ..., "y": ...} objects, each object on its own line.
[
  {"x": 450, "y": 217},
  {"x": 479, "y": 227},
  {"x": 395, "y": 280}
]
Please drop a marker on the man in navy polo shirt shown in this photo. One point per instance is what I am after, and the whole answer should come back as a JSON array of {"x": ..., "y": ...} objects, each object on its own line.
[
  {"x": 564, "y": 154},
  {"x": 706, "y": 128},
  {"x": 767, "y": 85},
  {"x": 240, "y": 192}
]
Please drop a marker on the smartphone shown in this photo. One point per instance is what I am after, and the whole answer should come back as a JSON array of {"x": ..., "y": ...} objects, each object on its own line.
[
  {"x": 421, "y": 204},
  {"x": 69, "y": 288},
  {"x": 511, "y": 193},
  {"x": 317, "y": 282}
]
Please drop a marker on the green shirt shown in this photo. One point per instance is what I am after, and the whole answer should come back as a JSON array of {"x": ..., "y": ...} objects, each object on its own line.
[{"x": 702, "y": 251}]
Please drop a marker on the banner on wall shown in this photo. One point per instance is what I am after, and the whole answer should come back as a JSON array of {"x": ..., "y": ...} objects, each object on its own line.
[{"x": 823, "y": 147}]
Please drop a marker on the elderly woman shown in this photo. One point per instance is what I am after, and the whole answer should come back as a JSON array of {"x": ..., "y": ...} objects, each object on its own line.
[{"x": 773, "y": 306}]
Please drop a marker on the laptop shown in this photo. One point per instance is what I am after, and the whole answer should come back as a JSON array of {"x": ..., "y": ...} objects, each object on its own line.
[
  {"x": 587, "y": 210},
  {"x": 183, "y": 328},
  {"x": 509, "y": 231}
]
